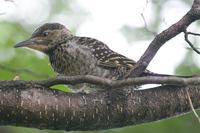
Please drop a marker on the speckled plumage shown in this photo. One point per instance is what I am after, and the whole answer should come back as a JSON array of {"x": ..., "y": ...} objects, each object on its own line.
[
  {"x": 88, "y": 56},
  {"x": 72, "y": 55}
]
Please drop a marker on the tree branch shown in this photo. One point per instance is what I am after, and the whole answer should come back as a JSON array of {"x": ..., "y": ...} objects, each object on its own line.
[
  {"x": 192, "y": 15},
  {"x": 144, "y": 20},
  {"x": 170, "y": 80},
  {"x": 188, "y": 41},
  {"x": 32, "y": 105}
]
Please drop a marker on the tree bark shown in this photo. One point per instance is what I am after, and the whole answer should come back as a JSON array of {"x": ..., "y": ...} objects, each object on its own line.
[{"x": 24, "y": 103}]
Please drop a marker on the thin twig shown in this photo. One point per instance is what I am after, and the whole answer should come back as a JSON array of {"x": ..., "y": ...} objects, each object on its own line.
[
  {"x": 146, "y": 26},
  {"x": 188, "y": 41},
  {"x": 24, "y": 70},
  {"x": 191, "y": 105},
  {"x": 144, "y": 20},
  {"x": 192, "y": 33},
  {"x": 167, "y": 80}
]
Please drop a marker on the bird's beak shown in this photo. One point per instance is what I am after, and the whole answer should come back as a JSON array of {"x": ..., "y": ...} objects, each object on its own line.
[
  {"x": 25, "y": 43},
  {"x": 34, "y": 43}
]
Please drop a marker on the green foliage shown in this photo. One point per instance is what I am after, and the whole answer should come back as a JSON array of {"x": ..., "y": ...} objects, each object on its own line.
[
  {"x": 188, "y": 65},
  {"x": 20, "y": 60}
]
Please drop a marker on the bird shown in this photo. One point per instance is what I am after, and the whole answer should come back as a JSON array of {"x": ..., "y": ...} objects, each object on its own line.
[{"x": 72, "y": 55}]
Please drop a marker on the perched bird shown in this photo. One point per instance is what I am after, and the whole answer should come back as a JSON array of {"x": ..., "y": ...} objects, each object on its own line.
[{"x": 72, "y": 55}]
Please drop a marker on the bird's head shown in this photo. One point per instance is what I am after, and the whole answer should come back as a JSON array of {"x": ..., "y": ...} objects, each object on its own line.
[{"x": 46, "y": 37}]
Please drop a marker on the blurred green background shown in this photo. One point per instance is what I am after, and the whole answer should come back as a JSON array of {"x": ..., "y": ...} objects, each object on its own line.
[{"x": 30, "y": 65}]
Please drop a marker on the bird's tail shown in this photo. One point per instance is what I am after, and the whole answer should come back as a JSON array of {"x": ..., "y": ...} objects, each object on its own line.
[{"x": 148, "y": 73}]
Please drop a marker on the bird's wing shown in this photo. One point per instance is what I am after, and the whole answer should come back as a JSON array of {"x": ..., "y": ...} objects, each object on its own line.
[
  {"x": 115, "y": 60},
  {"x": 108, "y": 59},
  {"x": 105, "y": 56}
]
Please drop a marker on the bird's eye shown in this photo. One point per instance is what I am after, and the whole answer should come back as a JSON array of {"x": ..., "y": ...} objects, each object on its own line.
[{"x": 45, "y": 34}]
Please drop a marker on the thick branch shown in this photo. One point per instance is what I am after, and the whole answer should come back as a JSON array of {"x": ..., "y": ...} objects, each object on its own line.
[
  {"x": 31, "y": 105},
  {"x": 192, "y": 15}
]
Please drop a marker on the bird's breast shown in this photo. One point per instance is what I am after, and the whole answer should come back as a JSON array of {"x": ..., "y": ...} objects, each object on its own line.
[{"x": 75, "y": 60}]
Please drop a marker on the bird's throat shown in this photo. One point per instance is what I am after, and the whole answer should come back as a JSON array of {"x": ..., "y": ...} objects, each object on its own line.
[{"x": 41, "y": 48}]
